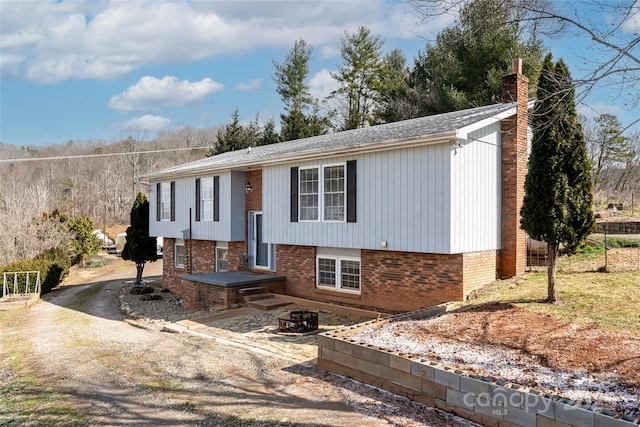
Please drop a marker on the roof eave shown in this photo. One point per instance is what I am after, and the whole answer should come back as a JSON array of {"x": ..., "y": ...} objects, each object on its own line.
[{"x": 443, "y": 137}]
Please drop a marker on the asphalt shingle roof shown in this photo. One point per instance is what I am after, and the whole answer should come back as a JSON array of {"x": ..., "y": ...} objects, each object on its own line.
[{"x": 421, "y": 127}]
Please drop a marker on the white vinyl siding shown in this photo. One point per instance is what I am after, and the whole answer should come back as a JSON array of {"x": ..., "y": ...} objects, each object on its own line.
[
  {"x": 402, "y": 198},
  {"x": 476, "y": 192},
  {"x": 165, "y": 201},
  {"x": 232, "y": 224},
  {"x": 432, "y": 199},
  {"x": 206, "y": 199}
]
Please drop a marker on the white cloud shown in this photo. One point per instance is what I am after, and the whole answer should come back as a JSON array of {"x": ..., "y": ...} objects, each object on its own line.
[
  {"x": 58, "y": 41},
  {"x": 252, "y": 84},
  {"x": 146, "y": 122},
  {"x": 10, "y": 64},
  {"x": 151, "y": 93},
  {"x": 322, "y": 84}
]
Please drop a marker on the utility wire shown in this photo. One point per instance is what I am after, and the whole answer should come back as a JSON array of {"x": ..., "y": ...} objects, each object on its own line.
[{"x": 85, "y": 156}]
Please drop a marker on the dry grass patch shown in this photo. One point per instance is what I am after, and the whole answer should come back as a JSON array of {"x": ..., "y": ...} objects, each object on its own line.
[{"x": 608, "y": 300}]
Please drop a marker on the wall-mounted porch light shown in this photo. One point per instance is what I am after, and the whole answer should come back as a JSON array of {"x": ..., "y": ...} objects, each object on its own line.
[{"x": 248, "y": 188}]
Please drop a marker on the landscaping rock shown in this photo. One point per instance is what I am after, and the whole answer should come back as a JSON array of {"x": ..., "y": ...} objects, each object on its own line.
[
  {"x": 140, "y": 290},
  {"x": 150, "y": 297}
]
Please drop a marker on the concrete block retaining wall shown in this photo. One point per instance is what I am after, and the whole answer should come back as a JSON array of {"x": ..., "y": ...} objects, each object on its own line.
[{"x": 469, "y": 396}]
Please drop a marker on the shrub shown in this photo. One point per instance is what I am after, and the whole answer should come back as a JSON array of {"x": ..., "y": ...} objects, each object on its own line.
[{"x": 53, "y": 265}]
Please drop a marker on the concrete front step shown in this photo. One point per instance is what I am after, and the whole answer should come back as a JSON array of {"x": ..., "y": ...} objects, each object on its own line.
[
  {"x": 257, "y": 297},
  {"x": 270, "y": 303}
]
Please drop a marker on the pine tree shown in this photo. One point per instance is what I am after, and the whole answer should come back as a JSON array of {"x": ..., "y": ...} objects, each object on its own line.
[
  {"x": 394, "y": 91},
  {"x": 139, "y": 247},
  {"x": 360, "y": 78},
  {"x": 290, "y": 78},
  {"x": 232, "y": 137},
  {"x": 558, "y": 200},
  {"x": 465, "y": 66},
  {"x": 269, "y": 135}
]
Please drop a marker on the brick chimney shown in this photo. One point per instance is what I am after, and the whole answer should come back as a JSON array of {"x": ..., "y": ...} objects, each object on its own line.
[{"x": 513, "y": 256}]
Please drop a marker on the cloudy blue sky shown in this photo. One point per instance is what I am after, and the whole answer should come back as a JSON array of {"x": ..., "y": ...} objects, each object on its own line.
[{"x": 82, "y": 70}]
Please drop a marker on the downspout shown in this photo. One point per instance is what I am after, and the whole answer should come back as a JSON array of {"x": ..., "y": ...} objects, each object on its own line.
[{"x": 190, "y": 247}]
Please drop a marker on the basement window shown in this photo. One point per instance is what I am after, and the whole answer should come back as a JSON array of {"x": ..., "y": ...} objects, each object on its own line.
[
  {"x": 339, "y": 273},
  {"x": 179, "y": 254},
  {"x": 222, "y": 258}
]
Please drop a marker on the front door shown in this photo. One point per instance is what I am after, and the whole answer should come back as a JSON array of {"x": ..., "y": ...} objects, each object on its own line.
[{"x": 258, "y": 249}]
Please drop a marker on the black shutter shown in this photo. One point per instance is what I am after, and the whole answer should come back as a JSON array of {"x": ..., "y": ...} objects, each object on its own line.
[
  {"x": 294, "y": 194},
  {"x": 173, "y": 200},
  {"x": 198, "y": 199},
  {"x": 351, "y": 190},
  {"x": 216, "y": 198},
  {"x": 158, "y": 197}
]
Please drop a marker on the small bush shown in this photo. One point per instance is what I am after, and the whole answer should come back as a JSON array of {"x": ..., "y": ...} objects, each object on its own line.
[
  {"x": 96, "y": 264},
  {"x": 589, "y": 249},
  {"x": 53, "y": 265}
]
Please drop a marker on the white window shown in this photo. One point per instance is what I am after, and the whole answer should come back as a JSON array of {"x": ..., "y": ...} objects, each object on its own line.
[
  {"x": 333, "y": 190},
  {"x": 165, "y": 201},
  {"x": 178, "y": 253},
  {"x": 322, "y": 190},
  {"x": 206, "y": 199},
  {"x": 222, "y": 258},
  {"x": 338, "y": 273},
  {"x": 309, "y": 194}
]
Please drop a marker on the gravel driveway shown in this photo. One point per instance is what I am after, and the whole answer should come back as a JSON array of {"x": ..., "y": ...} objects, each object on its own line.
[{"x": 119, "y": 374}]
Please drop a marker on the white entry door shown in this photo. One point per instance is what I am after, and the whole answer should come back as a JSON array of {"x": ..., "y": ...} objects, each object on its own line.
[{"x": 258, "y": 249}]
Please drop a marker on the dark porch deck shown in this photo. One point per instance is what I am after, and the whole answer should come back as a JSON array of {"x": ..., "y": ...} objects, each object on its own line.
[
  {"x": 225, "y": 289},
  {"x": 232, "y": 279}
]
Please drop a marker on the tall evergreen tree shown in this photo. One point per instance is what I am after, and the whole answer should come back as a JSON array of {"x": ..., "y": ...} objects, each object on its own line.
[
  {"x": 232, "y": 137},
  {"x": 269, "y": 135},
  {"x": 558, "y": 200},
  {"x": 465, "y": 66},
  {"x": 394, "y": 91},
  {"x": 290, "y": 78},
  {"x": 139, "y": 247},
  {"x": 360, "y": 77},
  {"x": 318, "y": 123}
]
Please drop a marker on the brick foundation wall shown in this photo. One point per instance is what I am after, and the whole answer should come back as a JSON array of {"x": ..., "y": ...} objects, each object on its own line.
[
  {"x": 480, "y": 268},
  {"x": 201, "y": 254},
  {"x": 403, "y": 281},
  {"x": 237, "y": 256},
  {"x": 200, "y": 296},
  {"x": 170, "y": 274},
  {"x": 421, "y": 280},
  {"x": 513, "y": 257},
  {"x": 298, "y": 264}
]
